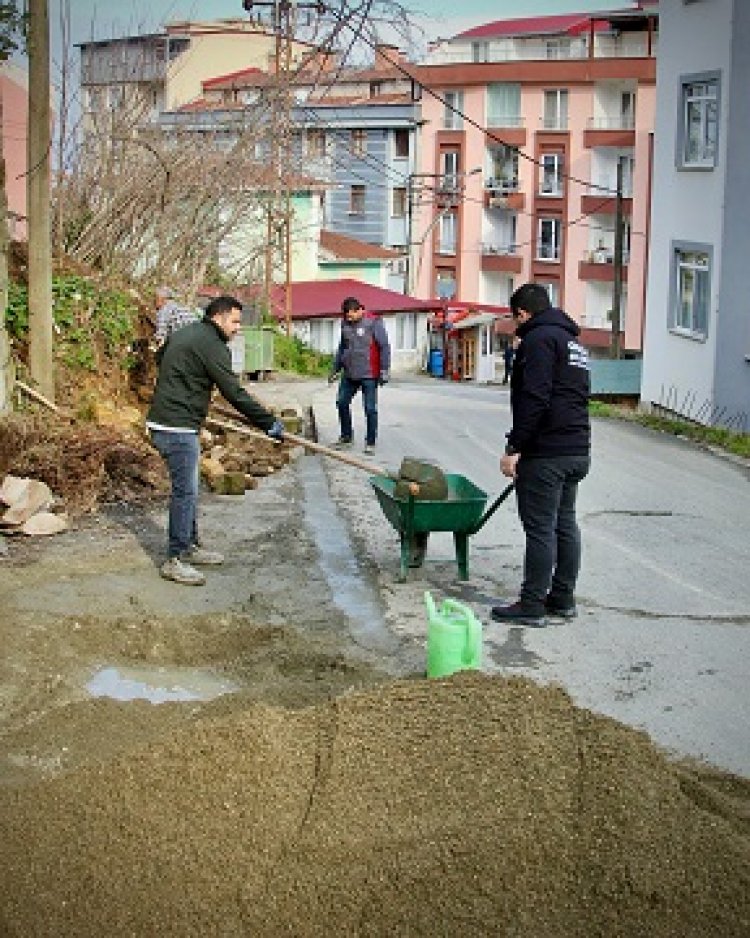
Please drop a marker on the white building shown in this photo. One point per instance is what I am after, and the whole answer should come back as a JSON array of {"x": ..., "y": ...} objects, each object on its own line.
[{"x": 697, "y": 335}]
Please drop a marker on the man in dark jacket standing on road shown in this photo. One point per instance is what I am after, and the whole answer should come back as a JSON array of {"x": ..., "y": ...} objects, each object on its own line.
[
  {"x": 548, "y": 454},
  {"x": 194, "y": 360},
  {"x": 364, "y": 356}
]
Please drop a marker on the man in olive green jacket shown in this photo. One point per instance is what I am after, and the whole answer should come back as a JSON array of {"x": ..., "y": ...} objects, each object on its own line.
[{"x": 194, "y": 360}]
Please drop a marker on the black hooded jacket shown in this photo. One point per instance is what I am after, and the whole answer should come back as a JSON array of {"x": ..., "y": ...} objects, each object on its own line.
[{"x": 549, "y": 388}]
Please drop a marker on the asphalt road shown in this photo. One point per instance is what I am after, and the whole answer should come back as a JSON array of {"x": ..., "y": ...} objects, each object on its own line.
[{"x": 662, "y": 641}]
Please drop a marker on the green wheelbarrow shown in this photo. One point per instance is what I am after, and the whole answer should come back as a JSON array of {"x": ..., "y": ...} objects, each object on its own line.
[{"x": 462, "y": 513}]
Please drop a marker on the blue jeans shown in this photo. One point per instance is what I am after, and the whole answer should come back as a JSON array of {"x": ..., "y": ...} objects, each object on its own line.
[
  {"x": 546, "y": 490},
  {"x": 347, "y": 390},
  {"x": 181, "y": 452}
]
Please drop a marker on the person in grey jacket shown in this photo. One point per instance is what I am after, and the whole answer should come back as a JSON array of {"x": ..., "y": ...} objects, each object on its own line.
[
  {"x": 363, "y": 358},
  {"x": 193, "y": 361}
]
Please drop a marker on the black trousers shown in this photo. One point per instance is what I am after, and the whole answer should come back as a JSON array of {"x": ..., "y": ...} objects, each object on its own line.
[{"x": 546, "y": 491}]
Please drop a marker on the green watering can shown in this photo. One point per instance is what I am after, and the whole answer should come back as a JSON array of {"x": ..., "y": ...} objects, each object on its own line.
[{"x": 454, "y": 638}]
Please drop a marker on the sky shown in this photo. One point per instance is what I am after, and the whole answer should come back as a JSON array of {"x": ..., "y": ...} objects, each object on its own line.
[{"x": 114, "y": 18}]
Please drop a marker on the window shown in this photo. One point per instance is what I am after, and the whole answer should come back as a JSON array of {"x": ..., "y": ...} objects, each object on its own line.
[
  {"x": 376, "y": 88},
  {"x": 453, "y": 113},
  {"x": 503, "y": 169},
  {"x": 450, "y": 168},
  {"x": 699, "y": 126},
  {"x": 480, "y": 52},
  {"x": 551, "y": 175},
  {"x": 548, "y": 244},
  {"x": 116, "y": 97},
  {"x": 445, "y": 285},
  {"x": 447, "y": 228},
  {"x": 358, "y": 142},
  {"x": 316, "y": 143},
  {"x": 401, "y": 144},
  {"x": 357, "y": 200},
  {"x": 627, "y": 162},
  {"x": 398, "y": 203},
  {"x": 691, "y": 282},
  {"x": 504, "y": 105},
  {"x": 556, "y": 109},
  {"x": 558, "y": 48},
  {"x": 627, "y": 110},
  {"x": 553, "y": 290},
  {"x": 323, "y": 335},
  {"x": 406, "y": 331}
]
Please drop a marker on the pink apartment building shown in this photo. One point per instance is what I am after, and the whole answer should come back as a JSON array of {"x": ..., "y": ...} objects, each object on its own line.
[
  {"x": 13, "y": 119},
  {"x": 518, "y": 164}
]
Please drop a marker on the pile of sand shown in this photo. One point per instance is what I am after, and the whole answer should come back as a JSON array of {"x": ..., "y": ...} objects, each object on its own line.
[{"x": 470, "y": 807}]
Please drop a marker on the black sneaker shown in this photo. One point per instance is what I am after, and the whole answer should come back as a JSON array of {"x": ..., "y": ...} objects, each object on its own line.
[
  {"x": 560, "y": 608},
  {"x": 523, "y": 614}
]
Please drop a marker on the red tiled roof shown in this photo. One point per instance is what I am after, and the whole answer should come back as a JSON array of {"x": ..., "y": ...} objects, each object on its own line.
[
  {"x": 317, "y": 299},
  {"x": 232, "y": 76},
  {"x": 570, "y": 24},
  {"x": 352, "y": 249}
]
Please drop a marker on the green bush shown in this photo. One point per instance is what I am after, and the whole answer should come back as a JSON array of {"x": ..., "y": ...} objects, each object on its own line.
[
  {"x": 88, "y": 320},
  {"x": 292, "y": 355}
]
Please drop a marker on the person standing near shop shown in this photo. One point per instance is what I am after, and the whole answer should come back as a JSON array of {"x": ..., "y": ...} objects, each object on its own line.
[
  {"x": 193, "y": 361},
  {"x": 363, "y": 359},
  {"x": 547, "y": 454}
]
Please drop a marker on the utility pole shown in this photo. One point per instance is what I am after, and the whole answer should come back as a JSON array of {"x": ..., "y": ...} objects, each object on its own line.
[
  {"x": 616, "y": 345},
  {"x": 284, "y": 21},
  {"x": 38, "y": 201}
]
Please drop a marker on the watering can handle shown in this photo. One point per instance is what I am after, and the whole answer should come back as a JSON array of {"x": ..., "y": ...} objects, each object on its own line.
[
  {"x": 493, "y": 508},
  {"x": 430, "y": 603}
]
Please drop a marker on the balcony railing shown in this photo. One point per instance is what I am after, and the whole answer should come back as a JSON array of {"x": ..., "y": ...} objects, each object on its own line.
[
  {"x": 496, "y": 186},
  {"x": 555, "y": 123},
  {"x": 505, "y": 120},
  {"x": 604, "y": 256},
  {"x": 506, "y": 248},
  {"x": 622, "y": 122}
]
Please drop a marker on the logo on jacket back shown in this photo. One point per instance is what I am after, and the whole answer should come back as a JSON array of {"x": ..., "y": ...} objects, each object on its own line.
[{"x": 578, "y": 357}]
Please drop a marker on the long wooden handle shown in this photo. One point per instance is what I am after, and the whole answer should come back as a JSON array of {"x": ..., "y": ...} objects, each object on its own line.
[{"x": 308, "y": 444}]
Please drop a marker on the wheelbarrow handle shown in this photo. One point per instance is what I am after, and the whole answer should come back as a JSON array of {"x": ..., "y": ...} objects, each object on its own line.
[{"x": 493, "y": 508}]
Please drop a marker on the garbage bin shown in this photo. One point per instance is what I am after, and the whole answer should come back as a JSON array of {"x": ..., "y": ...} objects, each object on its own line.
[{"x": 436, "y": 363}]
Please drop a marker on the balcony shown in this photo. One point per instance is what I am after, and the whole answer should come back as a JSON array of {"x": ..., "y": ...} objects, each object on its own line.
[
  {"x": 501, "y": 257},
  {"x": 508, "y": 126},
  {"x": 599, "y": 266},
  {"x": 503, "y": 194},
  {"x": 609, "y": 132}
]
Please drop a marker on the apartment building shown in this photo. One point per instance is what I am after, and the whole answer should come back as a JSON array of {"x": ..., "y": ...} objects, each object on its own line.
[
  {"x": 521, "y": 142},
  {"x": 696, "y": 359},
  {"x": 354, "y": 130},
  {"x": 134, "y": 78}
]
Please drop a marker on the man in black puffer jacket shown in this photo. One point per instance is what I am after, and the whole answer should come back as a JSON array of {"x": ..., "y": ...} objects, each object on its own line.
[
  {"x": 193, "y": 361},
  {"x": 548, "y": 454}
]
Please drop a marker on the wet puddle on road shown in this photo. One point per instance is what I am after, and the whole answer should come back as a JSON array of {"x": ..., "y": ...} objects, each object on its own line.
[
  {"x": 352, "y": 593},
  {"x": 157, "y": 685}
]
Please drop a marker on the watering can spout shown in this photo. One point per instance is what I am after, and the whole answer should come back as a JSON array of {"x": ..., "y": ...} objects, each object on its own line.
[{"x": 454, "y": 638}]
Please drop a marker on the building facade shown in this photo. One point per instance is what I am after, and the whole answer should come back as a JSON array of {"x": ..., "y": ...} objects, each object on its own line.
[
  {"x": 14, "y": 109},
  {"x": 520, "y": 149},
  {"x": 697, "y": 350}
]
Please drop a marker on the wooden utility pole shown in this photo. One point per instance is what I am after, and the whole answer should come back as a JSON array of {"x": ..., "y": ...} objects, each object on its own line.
[
  {"x": 616, "y": 344},
  {"x": 38, "y": 201},
  {"x": 6, "y": 362}
]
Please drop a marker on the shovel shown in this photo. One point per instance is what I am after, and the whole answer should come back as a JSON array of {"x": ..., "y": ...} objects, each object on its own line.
[{"x": 313, "y": 448}]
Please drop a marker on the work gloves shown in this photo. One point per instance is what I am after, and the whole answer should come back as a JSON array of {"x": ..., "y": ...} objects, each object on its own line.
[
  {"x": 384, "y": 376},
  {"x": 276, "y": 431},
  {"x": 333, "y": 376}
]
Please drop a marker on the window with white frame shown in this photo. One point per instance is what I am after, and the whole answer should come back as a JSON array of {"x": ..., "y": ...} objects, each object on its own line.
[
  {"x": 453, "y": 112},
  {"x": 558, "y": 48},
  {"x": 556, "y": 109},
  {"x": 504, "y": 104},
  {"x": 406, "y": 332},
  {"x": 398, "y": 202},
  {"x": 450, "y": 160},
  {"x": 627, "y": 110},
  {"x": 548, "y": 241},
  {"x": 627, "y": 162},
  {"x": 691, "y": 290},
  {"x": 551, "y": 174},
  {"x": 480, "y": 52},
  {"x": 447, "y": 229},
  {"x": 324, "y": 335},
  {"x": 553, "y": 290},
  {"x": 699, "y": 125}
]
